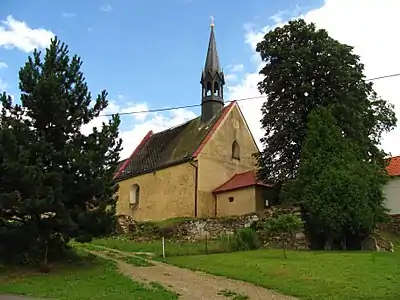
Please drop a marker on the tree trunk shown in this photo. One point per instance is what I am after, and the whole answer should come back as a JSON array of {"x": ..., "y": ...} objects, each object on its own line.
[{"x": 328, "y": 243}]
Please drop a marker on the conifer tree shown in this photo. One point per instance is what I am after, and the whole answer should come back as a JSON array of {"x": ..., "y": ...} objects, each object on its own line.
[
  {"x": 340, "y": 193},
  {"x": 58, "y": 183}
]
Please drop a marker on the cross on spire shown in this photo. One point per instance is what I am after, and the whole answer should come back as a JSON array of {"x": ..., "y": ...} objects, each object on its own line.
[{"x": 212, "y": 22}]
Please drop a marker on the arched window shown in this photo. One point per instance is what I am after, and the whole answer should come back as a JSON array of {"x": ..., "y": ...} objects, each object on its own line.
[
  {"x": 235, "y": 150},
  {"x": 209, "y": 89},
  {"x": 216, "y": 89},
  {"x": 135, "y": 194}
]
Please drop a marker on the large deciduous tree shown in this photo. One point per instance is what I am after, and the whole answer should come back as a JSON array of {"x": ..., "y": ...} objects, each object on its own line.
[
  {"x": 305, "y": 69},
  {"x": 339, "y": 191},
  {"x": 57, "y": 183}
]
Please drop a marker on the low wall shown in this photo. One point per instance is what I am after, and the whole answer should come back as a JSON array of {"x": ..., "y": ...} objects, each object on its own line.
[
  {"x": 393, "y": 226},
  {"x": 210, "y": 228}
]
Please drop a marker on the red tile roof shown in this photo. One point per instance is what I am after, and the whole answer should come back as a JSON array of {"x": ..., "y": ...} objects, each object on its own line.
[
  {"x": 393, "y": 168},
  {"x": 238, "y": 181}
]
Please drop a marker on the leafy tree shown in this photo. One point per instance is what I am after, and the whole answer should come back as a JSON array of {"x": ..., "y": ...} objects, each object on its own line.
[
  {"x": 57, "y": 183},
  {"x": 306, "y": 68},
  {"x": 340, "y": 193},
  {"x": 285, "y": 226}
]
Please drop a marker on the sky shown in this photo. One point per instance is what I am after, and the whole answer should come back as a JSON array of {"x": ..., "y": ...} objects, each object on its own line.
[{"x": 148, "y": 54}]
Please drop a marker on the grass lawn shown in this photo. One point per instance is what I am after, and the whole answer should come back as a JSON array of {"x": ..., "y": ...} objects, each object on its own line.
[
  {"x": 308, "y": 275},
  {"x": 171, "y": 248},
  {"x": 305, "y": 274},
  {"x": 90, "y": 279}
]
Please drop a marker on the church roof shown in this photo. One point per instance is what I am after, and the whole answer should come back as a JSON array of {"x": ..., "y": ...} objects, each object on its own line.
[
  {"x": 169, "y": 147},
  {"x": 239, "y": 181}
]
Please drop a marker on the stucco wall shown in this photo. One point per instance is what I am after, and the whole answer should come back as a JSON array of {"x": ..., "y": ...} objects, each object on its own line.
[
  {"x": 216, "y": 165},
  {"x": 243, "y": 202},
  {"x": 164, "y": 194},
  {"x": 392, "y": 193}
]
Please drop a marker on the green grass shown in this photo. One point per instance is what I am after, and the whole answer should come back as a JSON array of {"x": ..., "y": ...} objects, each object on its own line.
[
  {"x": 172, "y": 248},
  {"x": 95, "y": 279},
  {"x": 306, "y": 274}
]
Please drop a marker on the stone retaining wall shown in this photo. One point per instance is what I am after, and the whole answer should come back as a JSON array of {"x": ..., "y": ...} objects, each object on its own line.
[
  {"x": 393, "y": 226},
  {"x": 210, "y": 228},
  {"x": 213, "y": 228}
]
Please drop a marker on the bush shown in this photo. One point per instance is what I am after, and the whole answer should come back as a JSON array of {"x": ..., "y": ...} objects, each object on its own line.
[
  {"x": 285, "y": 226},
  {"x": 242, "y": 240}
]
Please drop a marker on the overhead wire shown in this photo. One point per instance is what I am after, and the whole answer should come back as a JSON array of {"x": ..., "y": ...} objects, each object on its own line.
[{"x": 237, "y": 100}]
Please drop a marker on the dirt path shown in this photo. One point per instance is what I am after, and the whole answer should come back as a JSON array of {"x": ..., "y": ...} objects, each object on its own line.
[{"x": 192, "y": 285}]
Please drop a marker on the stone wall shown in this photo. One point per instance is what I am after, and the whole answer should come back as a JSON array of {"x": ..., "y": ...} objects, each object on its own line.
[
  {"x": 210, "y": 228},
  {"x": 214, "y": 227},
  {"x": 393, "y": 226}
]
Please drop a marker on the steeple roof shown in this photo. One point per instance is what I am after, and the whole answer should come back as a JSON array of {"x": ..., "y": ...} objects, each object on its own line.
[{"x": 212, "y": 60}]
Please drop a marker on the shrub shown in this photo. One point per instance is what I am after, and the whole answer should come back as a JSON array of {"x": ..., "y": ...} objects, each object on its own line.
[
  {"x": 242, "y": 240},
  {"x": 285, "y": 226}
]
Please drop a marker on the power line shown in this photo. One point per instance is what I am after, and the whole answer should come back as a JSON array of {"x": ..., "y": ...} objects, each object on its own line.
[
  {"x": 237, "y": 100},
  {"x": 382, "y": 77},
  {"x": 176, "y": 107}
]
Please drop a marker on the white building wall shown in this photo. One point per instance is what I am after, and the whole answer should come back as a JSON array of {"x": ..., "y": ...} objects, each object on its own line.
[{"x": 392, "y": 193}]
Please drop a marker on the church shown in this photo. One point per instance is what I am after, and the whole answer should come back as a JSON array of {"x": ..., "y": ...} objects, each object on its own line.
[{"x": 202, "y": 168}]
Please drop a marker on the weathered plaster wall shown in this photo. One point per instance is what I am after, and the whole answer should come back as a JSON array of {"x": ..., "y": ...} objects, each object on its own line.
[
  {"x": 236, "y": 202},
  {"x": 215, "y": 161},
  {"x": 392, "y": 193},
  {"x": 164, "y": 194}
]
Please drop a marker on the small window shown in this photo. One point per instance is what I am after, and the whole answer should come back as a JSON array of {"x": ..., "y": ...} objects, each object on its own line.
[
  {"x": 134, "y": 195},
  {"x": 235, "y": 150},
  {"x": 266, "y": 203},
  {"x": 230, "y": 199}
]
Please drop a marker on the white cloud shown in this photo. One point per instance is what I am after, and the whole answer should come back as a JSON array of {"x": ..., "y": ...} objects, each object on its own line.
[
  {"x": 349, "y": 22},
  {"x": 106, "y": 7},
  {"x": 3, "y": 65},
  {"x": 140, "y": 123},
  {"x": 3, "y": 86},
  {"x": 237, "y": 68},
  {"x": 17, "y": 34},
  {"x": 68, "y": 15},
  {"x": 231, "y": 77}
]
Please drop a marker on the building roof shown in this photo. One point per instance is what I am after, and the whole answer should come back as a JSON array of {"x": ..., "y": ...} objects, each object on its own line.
[
  {"x": 170, "y": 147},
  {"x": 240, "y": 180},
  {"x": 393, "y": 168}
]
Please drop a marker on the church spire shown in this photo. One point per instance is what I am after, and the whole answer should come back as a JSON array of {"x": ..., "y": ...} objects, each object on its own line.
[{"x": 212, "y": 81}]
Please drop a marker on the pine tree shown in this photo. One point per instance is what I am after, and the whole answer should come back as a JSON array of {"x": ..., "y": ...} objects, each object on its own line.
[
  {"x": 69, "y": 190},
  {"x": 340, "y": 193}
]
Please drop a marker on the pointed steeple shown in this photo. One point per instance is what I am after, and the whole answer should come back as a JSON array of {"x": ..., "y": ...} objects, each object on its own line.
[
  {"x": 212, "y": 61},
  {"x": 212, "y": 81}
]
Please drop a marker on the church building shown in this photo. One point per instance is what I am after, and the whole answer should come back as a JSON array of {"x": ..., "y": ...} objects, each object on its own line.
[{"x": 202, "y": 168}]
